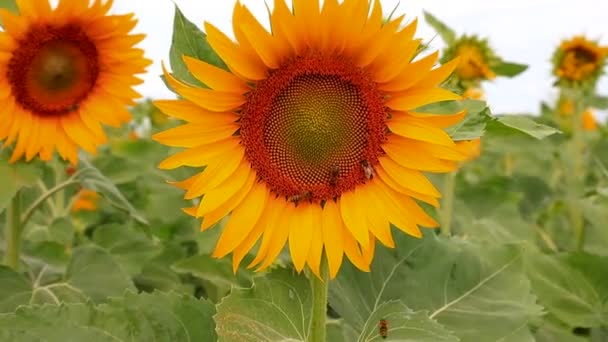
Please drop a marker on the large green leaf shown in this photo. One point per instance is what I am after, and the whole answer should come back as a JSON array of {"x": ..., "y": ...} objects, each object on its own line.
[
  {"x": 447, "y": 34},
  {"x": 189, "y": 40},
  {"x": 277, "y": 308},
  {"x": 91, "y": 274},
  {"x": 573, "y": 287},
  {"x": 479, "y": 294},
  {"x": 144, "y": 317}
]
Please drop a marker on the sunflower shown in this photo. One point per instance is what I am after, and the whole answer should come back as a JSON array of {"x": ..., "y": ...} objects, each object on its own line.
[
  {"x": 65, "y": 71},
  {"x": 311, "y": 137},
  {"x": 86, "y": 200},
  {"x": 579, "y": 61},
  {"x": 476, "y": 60},
  {"x": 474, "y": 94}
]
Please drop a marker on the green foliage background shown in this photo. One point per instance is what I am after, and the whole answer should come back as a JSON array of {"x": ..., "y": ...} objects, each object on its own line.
[{"x": 138, "y": 269}]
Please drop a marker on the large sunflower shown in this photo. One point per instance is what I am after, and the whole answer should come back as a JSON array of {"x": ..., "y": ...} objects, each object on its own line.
[
  {"x": 579, "y": 61},
  {"x": 63, "y": 72},
  {"x": 311, "y": 137}
]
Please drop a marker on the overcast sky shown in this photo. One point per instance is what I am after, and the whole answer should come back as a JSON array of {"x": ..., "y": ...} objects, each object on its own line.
[{"x": 524, "y": 31}]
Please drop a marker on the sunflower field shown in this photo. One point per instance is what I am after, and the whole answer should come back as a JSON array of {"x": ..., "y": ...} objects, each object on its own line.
[{"x": 329, "y": 177}]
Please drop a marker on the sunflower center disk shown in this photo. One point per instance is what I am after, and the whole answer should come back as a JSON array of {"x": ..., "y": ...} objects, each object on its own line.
[
  {"x": 311, "y": 129},
  {"x": 53, "y": 70}
]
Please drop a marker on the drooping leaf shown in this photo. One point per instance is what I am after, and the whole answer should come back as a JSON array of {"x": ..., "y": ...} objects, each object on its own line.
[
  {"x": 276, "y": 308},
  {"x": 476, "y": 293},
  {"x": 143, "y": 317},
  {"x": 509, "y": 69},
  {"x": 522, "y": 124},
  {"x": 447, "y": 34},
  {"x": 91, "y": 178},
  {"x": 189, "y": 40}
]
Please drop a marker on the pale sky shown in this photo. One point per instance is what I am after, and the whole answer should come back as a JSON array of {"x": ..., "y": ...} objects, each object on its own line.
[{"x": 524, "y": 31}]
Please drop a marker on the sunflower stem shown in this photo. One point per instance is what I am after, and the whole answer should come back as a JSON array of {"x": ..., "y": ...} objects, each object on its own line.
[
  {"x": 447, "y": 205},
  {"x": 319, "y": 304},
  {"x": 577, "y": 172},
  {"x": 12, "y": 234}
]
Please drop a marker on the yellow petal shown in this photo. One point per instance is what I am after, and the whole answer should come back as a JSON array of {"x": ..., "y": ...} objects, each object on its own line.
[
  {"x": 243, "y": 219},
  {"x": 391, "y": 210},
  {"x": 417, "y": 129},
  {"x": 193, "y": 135},
  {"x": 300, "y": 234},
  {"x": 224, "y": 209},
  {"x": 214, "y": 77},
  {"x": 272, "y": 225},
  {"x": 215, "y": 174},
  {"x": 279, "y": 236},
  {"x": 397, "y": 187},
  {"x": 378, "y": 225},
  {"x": 406, "y": 178},
  {"x": 412, "y": 159},
  {"x": 188, "y": 111},
  {"x": 316, "y": 248},
  {"x": 418, "y": 97},
  {"x": 230, "y": 53},
  {"x": 262, "y": 42},
  {"x": 353, "y": 216},
  {"x": 331, "y": 223},
  {"x": 438, "y": 120},
  {"x": 254, "y": 235},
  {"x": 199, "y": 156},
  {"x": 410, "y": 74},
  {"x": 353, "y": 252},
  {"x": 438, "y": 75},
  {"x": 218, "y": 196}
]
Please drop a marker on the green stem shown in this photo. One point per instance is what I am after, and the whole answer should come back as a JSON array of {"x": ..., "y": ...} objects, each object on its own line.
[
  {"x": 447, "y": 205},
  {"x": 57, "y": 188},
  {"x": 319, "y": 304},
  {"x": 13, "y": 233},
  {"x": 577, "y": 173}
]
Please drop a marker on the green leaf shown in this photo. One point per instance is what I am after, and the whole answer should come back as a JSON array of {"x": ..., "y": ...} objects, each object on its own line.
[
  {"x": 131, "y": 248},
  {"x": 218, "y": 271},
  {"x": 10, "y": 5},
  {"x": 403, "y": 325},
  {"x": 60, "y": 230},
  {"x": 509, "y": 69},
  {"x": 14, "y": 177},
  {"x": 447, "y": 34},
  {"x": 573, "y": 287},
  {"x": 599, "y": 102},
  {"x": 91, "y": 178},
  {"x": 144, "y": 317},
  {"x": 189, "y": 40},
  {"x": 551, "y": 331},
  {"x": 479, "y": 294},
  {"x": 15, "y": 289},
  {"x": 277, "y": 308},
  {"x": 94, "y": 273},
  {"x": 523, "y": 124}
]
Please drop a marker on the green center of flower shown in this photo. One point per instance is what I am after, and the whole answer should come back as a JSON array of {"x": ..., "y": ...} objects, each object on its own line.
[
  {"x": 313, "y": 129},
  {"x": 53, "y": 70}
]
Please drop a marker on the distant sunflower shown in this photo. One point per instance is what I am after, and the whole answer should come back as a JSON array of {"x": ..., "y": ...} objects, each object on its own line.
[
  {"x": 579, "y": 61},
  {"x": 65, "y": 70},
  {"x": 588, "y": 121},
  {"x": 476, "y": 60},
  {"x": 311, "y": 138}
]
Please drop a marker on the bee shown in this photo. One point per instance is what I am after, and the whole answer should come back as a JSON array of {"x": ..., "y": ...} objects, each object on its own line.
[
  {"x": 368, "y": 170},
  {"x": 383, "y": 328},
  {"x": 306, "y": 195},
  {"x": 72, "y": 108},
  {"x": 334, "y": 173}
]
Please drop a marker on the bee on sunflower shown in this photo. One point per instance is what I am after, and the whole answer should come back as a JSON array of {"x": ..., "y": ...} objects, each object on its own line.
[
  {"x": 478, "y": 61},
  {"x": 65, "y": 71},
  {"x": 311, "y": 137}
]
